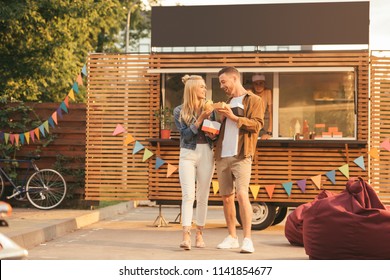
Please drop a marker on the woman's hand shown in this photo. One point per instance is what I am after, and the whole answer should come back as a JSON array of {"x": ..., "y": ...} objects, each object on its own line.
[{"x": 204, "y": 115}]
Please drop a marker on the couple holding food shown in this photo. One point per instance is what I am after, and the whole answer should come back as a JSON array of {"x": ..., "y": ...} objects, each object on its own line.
[{"x": 232, "y": 150}]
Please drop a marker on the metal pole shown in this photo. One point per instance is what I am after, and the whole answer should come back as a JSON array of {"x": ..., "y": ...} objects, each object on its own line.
[{"x": 128, "y": 28}]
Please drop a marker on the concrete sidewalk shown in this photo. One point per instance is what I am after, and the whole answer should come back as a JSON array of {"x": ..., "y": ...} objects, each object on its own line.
[{"x": 29, "y": 227}]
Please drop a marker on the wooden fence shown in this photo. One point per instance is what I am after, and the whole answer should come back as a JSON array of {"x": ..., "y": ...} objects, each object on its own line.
[{"x": 63, "y": 148}]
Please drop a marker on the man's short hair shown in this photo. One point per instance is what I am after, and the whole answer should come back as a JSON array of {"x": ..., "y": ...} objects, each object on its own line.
[{"x": 228, "y": 70}]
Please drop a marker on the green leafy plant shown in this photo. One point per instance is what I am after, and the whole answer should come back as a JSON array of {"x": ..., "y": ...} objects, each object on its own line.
[{"x": 165, "y": 116}]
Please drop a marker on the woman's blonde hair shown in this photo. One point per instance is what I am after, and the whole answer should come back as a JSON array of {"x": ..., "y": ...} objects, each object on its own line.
[{"x": 189, "y": 97}]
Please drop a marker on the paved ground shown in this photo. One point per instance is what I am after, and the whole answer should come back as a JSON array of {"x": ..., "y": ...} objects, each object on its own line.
[{"x": 124, "y": 232}]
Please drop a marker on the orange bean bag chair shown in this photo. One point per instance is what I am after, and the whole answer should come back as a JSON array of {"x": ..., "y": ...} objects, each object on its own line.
[
  {"x": 351, "y": 225},
  {"x": 293, "y": 229}
]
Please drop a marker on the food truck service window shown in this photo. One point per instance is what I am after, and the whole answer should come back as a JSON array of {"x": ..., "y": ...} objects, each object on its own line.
[{"x": 315, "y": 103}]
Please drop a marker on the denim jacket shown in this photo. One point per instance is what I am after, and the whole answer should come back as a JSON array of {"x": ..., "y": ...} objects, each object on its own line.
[{"x": 189, "y": 134}]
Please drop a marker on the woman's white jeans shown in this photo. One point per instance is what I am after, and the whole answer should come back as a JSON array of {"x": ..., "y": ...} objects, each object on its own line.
[{"x": 196, "y": 168}]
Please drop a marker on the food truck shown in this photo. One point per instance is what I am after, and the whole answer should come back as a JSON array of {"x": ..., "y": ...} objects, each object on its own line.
[{"x": 315, "y": 60}]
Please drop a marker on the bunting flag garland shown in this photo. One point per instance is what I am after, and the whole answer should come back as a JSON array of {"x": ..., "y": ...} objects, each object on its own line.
[
  {"x": 255, "y": 190},
  {"x": 71, "y": 94},
  {"x": 159, "y": 163},
  {"x": 317, "y": 181},
  {"x": 331, "y": 176},
  {"x": 21, "y": 137},
  {"x": 118, "y": 130},
  {"x": 270, "y": 190},
  {"x": 27, "y": 137},
  {"x": 385, "y": 145},
  {"x": 147, "y": 154},
  {"x": 171, "y": 169},
  {"x": 287, "y": 187},
  {"x": 345, "y": 170},
  {"x": 137, "y": 147},
  {"x": 43, "y": 129},
  {"x": 215, "y": 185},
  {"x": 129, "y": 139},
  {"x": 84, "y": 70},
  {"x": 374, "y": 153},
  {"x": 360, "y": 162},
  {"x": 302, "y": 185}
]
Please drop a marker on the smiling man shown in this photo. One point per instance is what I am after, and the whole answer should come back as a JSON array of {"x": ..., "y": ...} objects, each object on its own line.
[{"x": 234, "y": 152}]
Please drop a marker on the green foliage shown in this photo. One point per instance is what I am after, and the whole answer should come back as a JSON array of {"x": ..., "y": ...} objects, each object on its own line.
[
  {"x": 64, "y": 164},
  {"x": 165, "y": 116},
  {"x": 45, "y": 43},
  {"x": 14, "y": 118}
]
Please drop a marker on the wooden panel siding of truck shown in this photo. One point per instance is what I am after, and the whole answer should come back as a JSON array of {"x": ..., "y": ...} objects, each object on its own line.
[
  {"x": 380, "y": 122},
  {"x": 273, "y": 165}
]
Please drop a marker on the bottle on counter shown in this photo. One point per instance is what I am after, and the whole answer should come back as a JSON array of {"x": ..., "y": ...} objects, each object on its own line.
[
  {"x": 297, "y": 130},
  {"x": 306, "y": 130}
]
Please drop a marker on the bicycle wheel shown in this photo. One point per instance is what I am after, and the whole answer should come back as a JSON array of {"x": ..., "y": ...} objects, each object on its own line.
[
  {"x": 46, "y": 189},
  {"x": 1, "y": 186}
]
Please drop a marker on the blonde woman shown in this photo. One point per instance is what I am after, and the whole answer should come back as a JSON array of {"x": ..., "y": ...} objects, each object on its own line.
[{"x": 196, "y": 162}]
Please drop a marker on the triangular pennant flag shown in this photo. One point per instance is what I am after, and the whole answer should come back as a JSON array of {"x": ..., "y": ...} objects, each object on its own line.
[
  {"x": 46, "y": 126},
  {"x": 360, "y": 162},
  {"x": 27, "y": 137},
  {"x": 374, "y": 153},
  {"x": 302, "y": 185},
  {"x": 147, "y": 154},
  {"x": 270, "y": 190},
  {"x": 129, "y": 139},
  {"x": 12, "y": 138},
  {"x": 386, "y": 144},
  {"x": 317, "y": 181},
  {"x": 66, "y": 101},
  {"x": 16, "y": 139},
  {"x": 32, "y": 135},
  {"x": 255, "y": 190},
  {"x": 84, "y": 70},
  {"x": 118, "y": 130},
  {"x": 36, "y": 131},
  {"x": 75, "y": 87},
  {"x": 51, "y": 122},
  {"x": 287, "y": 187},
  {"x": 71, "y": 94},
  {"x": 54, "y": 117},
  {"x": 59, "y": 112},
  {"x": 159, "y": 163},
  {"x": 215, "y": 184},
  {"x": 63, "y": 107},
  {"x": 331, "y": 176},
  {"x": 137, "y": 147},
  {"x": 171, "y": 169},
  {"x": 79, "y": 80},
  {"x": 42, "y": 130},
  {"x": 6, "y": 138},
  {"x": 345, "y": 170},
  {"x": 21, "y": 137}
]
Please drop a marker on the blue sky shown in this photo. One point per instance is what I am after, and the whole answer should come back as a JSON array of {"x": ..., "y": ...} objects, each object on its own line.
[{"x": 379, "y": 15}]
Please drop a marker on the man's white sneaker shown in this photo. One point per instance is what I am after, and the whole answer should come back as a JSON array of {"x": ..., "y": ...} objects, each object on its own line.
[
  {"x": 229, "y": 243},
  {"x": 247, "y": 246}
]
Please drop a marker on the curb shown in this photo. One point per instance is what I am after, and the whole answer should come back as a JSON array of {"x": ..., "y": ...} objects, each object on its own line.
[{"x": 35, "y": 237}]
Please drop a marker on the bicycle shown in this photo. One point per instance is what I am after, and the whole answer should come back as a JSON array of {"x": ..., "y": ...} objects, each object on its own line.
[{"x": 45, "y": 189}]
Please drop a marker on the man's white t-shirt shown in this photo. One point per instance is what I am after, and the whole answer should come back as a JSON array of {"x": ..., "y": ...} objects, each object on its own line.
[{"x": 230, "y": 138}]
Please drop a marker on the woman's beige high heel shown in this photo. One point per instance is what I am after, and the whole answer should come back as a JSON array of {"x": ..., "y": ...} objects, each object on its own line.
[
  {"x": 199, "y": 243},
  {"x": 186, "y": 243}
]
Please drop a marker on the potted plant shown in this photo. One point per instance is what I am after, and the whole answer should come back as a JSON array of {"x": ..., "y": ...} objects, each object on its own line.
[{"x": 165, "y": 116}]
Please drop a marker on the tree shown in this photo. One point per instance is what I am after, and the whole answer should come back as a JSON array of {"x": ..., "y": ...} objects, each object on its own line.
[{"x": 45, "y": 43}]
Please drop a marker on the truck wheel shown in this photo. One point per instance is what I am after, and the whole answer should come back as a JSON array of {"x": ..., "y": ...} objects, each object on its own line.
[
  {"x": 263, "y": 215},
  {"x": 281, "y": 213}
]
